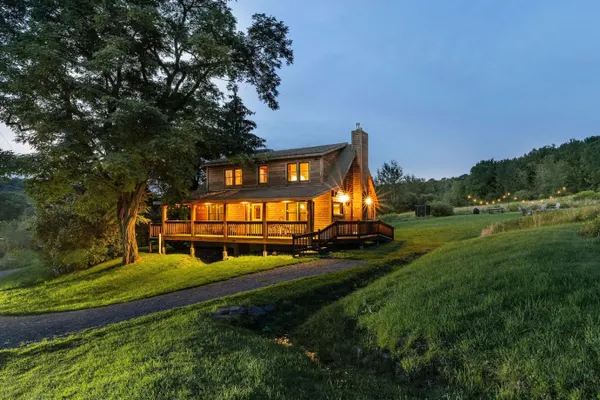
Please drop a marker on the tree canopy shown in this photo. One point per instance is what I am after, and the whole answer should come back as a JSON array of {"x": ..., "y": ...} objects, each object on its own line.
[
  {"x": 116, "y": 95},
  {"x": 574, "y": 165}
]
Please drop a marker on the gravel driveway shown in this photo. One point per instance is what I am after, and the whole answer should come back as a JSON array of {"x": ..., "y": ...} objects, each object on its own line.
[{"x": 17, "y": 329}]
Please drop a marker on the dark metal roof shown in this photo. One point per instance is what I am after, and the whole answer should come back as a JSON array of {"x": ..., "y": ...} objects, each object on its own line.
[
  {"x": 291, "y": 192},
  {"x": 313, "y": 151}
]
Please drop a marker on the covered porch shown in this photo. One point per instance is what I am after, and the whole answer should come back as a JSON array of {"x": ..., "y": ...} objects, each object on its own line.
[{"x": 243, "y": 221}]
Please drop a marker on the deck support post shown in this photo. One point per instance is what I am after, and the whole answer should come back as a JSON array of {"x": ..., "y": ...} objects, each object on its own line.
[
  {"x": 150, "y": 246},
  {"x": 160, "y": 243},
  {"x": 225, "y": 255},
  {"x": 265, "y": 252},
  {"x": 163, "y": 218},
  {"x": 264, "y": 220},
  {"x": 225, "y": 233},
  {"x": 192, "y": 218},
  {"x": 192, "y": 249}
]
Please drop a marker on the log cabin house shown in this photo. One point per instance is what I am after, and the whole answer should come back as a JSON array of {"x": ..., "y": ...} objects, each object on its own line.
[{"x": 303, "y": 198}]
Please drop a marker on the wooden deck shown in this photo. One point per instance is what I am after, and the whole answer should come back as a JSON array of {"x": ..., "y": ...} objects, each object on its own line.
[{"x": 253, "y": 232}]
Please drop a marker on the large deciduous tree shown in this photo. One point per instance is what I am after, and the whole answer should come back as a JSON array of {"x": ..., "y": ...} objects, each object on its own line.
[{"x": 115, "y": 95}]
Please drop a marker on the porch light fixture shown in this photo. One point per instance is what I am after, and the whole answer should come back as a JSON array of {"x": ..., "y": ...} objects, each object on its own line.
[
  {"x": 368, "y": 201},
  {"x": 344, "y": 198}
]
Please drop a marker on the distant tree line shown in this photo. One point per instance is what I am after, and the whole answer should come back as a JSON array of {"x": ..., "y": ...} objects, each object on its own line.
[{"x": 540, "y": 173}]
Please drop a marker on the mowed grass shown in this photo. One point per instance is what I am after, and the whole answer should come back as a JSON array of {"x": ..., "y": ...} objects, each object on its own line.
[
  {"x": 31, "y": 290},
  {"x": 185, "y": 354},
  {"x": 514, "y": 315},
  {"x": 417, "y": 236}
]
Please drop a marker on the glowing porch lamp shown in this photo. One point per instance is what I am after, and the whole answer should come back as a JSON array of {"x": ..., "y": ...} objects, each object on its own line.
[
  {"x": 368, "y": 201},
  {"x": 344, "y": 198}
]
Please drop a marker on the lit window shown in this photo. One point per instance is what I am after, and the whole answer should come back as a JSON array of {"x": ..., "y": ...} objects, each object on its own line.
[
  {"x": 238, "y": 176},
  {"x": 296, "y": 211},
  {"x": 263, "y": 172},
  {"x": 304, "y": 174},
  {"x": 215, "y": 212},
  {"x": 292, "y": 172},
  {"x": 228, "y": 177},
  {"x": 338, "y": 208}
]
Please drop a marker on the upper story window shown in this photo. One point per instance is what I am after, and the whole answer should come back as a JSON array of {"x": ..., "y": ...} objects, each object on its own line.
[
  {"x": 233, "y": 176},
  {"x": 263, "y": 174},
  {"x": 298, "y": 172}
]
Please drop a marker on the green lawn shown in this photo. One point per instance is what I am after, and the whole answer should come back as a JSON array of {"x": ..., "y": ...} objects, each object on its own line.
[
  {"x": 421, "y": 235},
  {"x": 514, "y": 315},
  {"x": 30, "y": 290},
  {"x": 184, "y": 354}
]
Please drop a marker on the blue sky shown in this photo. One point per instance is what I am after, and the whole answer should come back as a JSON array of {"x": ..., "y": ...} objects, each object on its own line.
[{"x": 438, "y": 85}]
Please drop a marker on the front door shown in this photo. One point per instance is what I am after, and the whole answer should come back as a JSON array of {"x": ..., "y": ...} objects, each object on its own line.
[{"x": 256, "y": 212}]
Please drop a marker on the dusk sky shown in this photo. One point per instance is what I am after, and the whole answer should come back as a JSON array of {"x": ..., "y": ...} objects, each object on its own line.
[{"x": 438, "y": 85}]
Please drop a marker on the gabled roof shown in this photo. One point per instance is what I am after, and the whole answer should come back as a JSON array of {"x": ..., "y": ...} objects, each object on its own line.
[
  {"x": 292, "y": 192},
  {"x": 313, "y": 151},
  {"x": 342, "y": 165}
]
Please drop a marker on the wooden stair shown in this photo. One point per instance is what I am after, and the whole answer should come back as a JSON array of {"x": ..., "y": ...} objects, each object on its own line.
[{"x": 341, "y": 232}]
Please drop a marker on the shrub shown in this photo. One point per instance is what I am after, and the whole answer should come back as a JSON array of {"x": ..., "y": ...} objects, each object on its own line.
[
  {"x": 74, "y": 241},
  {"x": 440, "y": 209},
  {"x": 586, "y": 195},
  {"x": 591, "y": 228},
  {"x": 20, "y": 259}
]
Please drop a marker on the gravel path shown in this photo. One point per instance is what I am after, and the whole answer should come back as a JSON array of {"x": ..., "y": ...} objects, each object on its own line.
[{"x": 17, "y": 329}]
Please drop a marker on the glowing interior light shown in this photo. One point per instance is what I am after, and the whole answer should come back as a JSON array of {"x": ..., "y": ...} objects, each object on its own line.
[{"x": 368, "y": 201}]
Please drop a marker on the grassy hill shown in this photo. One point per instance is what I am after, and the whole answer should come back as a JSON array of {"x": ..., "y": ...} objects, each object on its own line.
[
  {"x": 32, "y": 290},
  {"x": 514, "y": 315},
  {"x": 511, "y": 315}
]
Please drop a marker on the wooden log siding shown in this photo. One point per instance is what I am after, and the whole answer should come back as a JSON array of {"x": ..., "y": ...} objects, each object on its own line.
[{"x": 322, "y": 211}]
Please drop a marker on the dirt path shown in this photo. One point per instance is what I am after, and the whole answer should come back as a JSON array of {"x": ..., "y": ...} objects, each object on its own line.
[{"x": 17, "y": 329}]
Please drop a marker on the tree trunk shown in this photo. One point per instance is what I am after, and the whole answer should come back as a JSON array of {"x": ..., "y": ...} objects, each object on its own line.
[{"x": 128, "y": 207}]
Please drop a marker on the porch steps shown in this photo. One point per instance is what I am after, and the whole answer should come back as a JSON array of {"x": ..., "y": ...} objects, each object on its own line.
[{"x": 341, "y": 232}]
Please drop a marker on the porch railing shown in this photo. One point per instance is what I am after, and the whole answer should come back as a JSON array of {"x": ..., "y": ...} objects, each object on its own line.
[
  {"x": 286, "y": 229},
  {"x": 275, "y": 229},
  {"x": 212, "y": 228},
  {"x": 177, "y": 228},
  {"x": 246, "y": 228}
]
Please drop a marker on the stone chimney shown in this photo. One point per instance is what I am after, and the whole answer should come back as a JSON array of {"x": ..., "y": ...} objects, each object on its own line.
[{"x": 360, "y": 142}]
